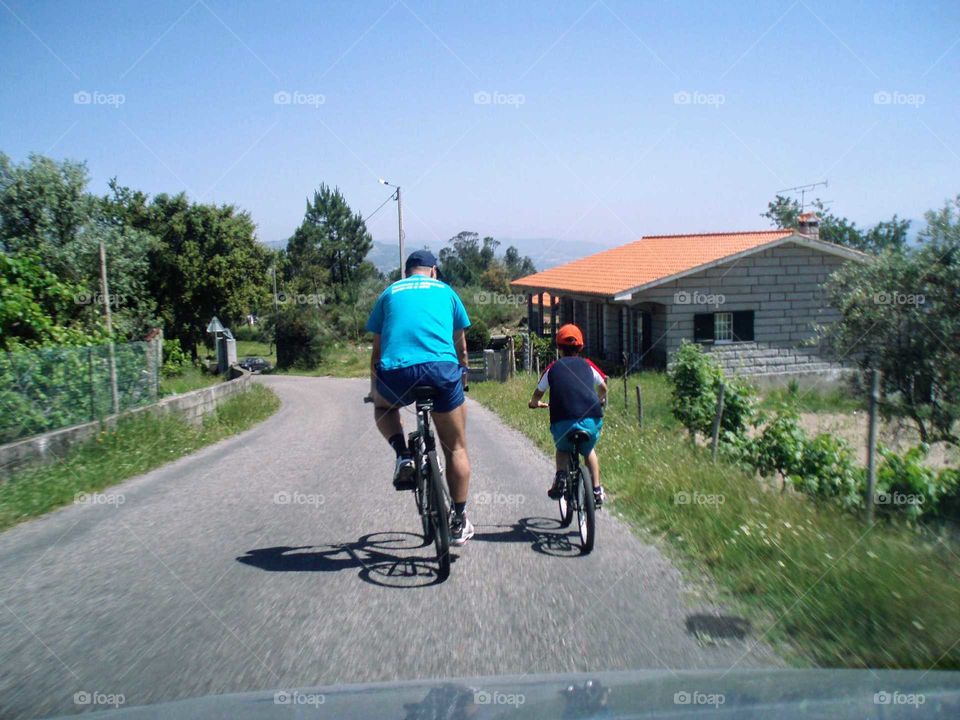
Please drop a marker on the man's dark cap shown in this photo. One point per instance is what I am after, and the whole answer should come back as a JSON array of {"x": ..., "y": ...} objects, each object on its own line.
[{"x": 421, "y": 258}]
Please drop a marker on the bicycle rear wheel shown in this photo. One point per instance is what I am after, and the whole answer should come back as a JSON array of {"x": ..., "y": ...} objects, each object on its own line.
[
  {"x": 423, "y": 506},
  {"x": 440, "y": 515},
  {"x": 565, "y": 503},
  {"x": 586, "y": 513}
]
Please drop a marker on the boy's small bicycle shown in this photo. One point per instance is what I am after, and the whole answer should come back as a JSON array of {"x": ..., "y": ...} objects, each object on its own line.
[{"x": 578, "y": 496}]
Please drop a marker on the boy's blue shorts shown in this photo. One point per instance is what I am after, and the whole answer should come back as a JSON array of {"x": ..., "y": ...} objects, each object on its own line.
[
  {"x": 396, "y": 386},
  {"x": 589, "y": 425}
]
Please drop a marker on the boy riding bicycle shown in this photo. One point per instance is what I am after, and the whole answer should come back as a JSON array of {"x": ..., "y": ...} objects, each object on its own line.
[{"x": 578, "y": 392}]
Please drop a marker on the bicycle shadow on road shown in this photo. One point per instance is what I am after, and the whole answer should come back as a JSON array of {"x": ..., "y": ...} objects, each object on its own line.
[
  {"x": 384, "y": 558},
  {"x": 545, "y": 536}
]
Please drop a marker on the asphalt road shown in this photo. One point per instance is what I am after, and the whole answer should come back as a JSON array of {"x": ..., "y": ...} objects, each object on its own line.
[{"x": 283, "y": 558}]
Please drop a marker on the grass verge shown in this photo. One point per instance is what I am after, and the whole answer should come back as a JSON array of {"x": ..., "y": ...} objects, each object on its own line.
[
  {"x": 136, "y": 445},
  {"x": 816, "y": 581},
  {"x": 192, "y": 378}
]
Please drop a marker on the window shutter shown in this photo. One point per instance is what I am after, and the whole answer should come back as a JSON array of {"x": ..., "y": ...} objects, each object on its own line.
[
  {"x": 703, "y": 327},
  {"x": 743, "y": 325}
]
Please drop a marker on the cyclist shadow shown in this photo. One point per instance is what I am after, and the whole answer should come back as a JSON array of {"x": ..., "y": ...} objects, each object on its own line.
[
  {"x": 383, "y": 558},
  {"x": 545, "y": 535}
]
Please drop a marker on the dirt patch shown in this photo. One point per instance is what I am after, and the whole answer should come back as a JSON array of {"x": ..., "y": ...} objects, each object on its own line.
[{"x": 852, "y": 427}]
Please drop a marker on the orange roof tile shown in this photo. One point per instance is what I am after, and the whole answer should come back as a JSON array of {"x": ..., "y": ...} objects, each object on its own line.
[{"x": 643, "y": 261}]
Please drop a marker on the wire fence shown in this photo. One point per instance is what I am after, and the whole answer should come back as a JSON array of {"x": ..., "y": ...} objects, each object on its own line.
[{"x": 51, "y": 388}]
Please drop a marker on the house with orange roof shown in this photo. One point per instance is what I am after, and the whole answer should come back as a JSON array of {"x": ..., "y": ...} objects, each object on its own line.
[{"x": 753, "y": 299}]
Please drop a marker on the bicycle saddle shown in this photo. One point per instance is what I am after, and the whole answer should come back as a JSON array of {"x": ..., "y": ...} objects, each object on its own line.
[
  {"x": 578, "y": 437},
  {"x": 425, "y": 392}
]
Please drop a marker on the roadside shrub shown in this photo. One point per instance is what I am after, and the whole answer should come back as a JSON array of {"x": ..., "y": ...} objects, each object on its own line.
[
  {"x": 302, "y": 337},
  {"x": 695, "y": 378},
  {"x": 827, "y": 471},
  {"x": 779, "y": 447},
  {"x": 543, "y": 349},
  {"x": 175, "y": 360},
  {"x": 478, "y": 335},
  {"x": 906, "y": 486}
]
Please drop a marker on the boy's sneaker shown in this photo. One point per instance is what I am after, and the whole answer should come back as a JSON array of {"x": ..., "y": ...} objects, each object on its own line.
[
  {"x": 403, "y": 473},
  {"x": 599, "y": 496},
  {"x": 559, "y": 486},
  {"x": 461, "y": 529}
]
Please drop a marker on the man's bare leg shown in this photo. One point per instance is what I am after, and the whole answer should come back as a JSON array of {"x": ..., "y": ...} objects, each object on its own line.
[{"x": 452, "y": 433}]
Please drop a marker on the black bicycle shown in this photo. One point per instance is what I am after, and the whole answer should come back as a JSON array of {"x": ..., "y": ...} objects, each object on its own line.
[
  {"x": 578, "y": 496},
  {"x": 430, "y": 488}
]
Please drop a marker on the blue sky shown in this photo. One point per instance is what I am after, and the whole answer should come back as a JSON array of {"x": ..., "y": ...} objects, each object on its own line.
[{"x": 603, "y": 120}]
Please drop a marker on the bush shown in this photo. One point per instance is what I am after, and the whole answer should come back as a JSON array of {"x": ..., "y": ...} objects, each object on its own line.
[
  {"x": 905, "y": 485},
  {"x": 251, "y": 333},
  {"x": 175, "y": 360},
  {"x": 780, "y": 445},
  {"x": 828, "y": 472},
  {"x": 302, "y": 337},
  {"x": 696, "y": 379},
  {"x": 478, "y": 335}
]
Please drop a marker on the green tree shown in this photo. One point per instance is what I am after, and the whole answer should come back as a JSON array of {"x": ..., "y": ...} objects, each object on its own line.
[
  {"x": 207, "y": 262},
  {"x": 517, "y": 266},
  {"x": 784, "y": 212},
  {"x": 900, "y": 314},
  {"x": 330, "y": 245}
]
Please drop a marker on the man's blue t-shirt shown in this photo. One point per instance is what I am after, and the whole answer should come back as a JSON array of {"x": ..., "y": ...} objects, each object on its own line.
[{"x": 416, "y": 318}]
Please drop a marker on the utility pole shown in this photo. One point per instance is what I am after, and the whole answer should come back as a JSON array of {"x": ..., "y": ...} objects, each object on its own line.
[
  {"x": 276, "y": 305},
  {"x": 403, "y": 272},
  {"x": 105, "y": 292}
]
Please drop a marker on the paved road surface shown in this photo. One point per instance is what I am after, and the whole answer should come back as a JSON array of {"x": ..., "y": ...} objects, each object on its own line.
[{"x": 202, "y": 583}]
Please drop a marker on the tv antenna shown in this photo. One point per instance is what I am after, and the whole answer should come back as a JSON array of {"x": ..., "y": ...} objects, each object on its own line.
[{"x": 804, "y": 189}]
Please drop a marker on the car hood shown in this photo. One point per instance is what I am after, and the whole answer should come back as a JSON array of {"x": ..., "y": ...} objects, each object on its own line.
[{"x": 782, "y": 694}]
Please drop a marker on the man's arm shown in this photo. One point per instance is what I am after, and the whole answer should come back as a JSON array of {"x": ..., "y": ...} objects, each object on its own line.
[
  {"x": 374, "y": 359},
  {"x": 602, "y": 393},
  {"x": 460, "y": 344}
]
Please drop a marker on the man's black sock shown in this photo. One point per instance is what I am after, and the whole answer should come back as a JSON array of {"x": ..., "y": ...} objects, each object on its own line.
[
  {"x": 459, "y": 508},
  {"x": 397, "y": 443}
]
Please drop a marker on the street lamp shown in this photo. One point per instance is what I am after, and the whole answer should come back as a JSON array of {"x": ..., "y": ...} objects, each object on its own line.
[{"x": 403, "y": 272}]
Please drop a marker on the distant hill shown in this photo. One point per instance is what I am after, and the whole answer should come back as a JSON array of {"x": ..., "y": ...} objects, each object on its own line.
[
  {"x": 275, "y": 244},
  {"x": 545, "y": 252}
]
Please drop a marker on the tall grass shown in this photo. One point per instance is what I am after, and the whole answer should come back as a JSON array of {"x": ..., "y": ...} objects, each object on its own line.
[{"x": 814, "y": 579}]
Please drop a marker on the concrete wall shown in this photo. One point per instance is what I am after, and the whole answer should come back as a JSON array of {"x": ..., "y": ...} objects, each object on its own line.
[
  {"x": 784, "y": 286},
  {"x": 49, "y": 446}
]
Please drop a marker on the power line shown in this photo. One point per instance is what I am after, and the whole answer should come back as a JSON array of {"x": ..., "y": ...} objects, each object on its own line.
[{"x": 367, "y": 217}]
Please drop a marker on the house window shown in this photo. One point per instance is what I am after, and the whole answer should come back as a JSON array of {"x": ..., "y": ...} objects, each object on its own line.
[{"x": 723, "y": 327}]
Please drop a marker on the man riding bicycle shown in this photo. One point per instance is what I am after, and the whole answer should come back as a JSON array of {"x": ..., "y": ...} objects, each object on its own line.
[{"x": 418, "y": 326}]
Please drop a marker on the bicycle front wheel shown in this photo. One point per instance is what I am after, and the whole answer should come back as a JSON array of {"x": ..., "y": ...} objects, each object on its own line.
[
  {"x": 586, "y": 514},
  {"x": 440, "y": 514}
]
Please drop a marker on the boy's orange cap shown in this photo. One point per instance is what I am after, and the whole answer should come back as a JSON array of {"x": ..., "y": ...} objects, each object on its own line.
[{"x": 570, "y": 336}]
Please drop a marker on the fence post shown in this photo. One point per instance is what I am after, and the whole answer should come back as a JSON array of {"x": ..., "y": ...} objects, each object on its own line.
[
  {"x": 93, "y": 402},
  {"x": 625, "y": 401},
  {"x": 639, "y": 406},
  {"x": 872, "y": 443},
  {"x": 716, "y": 424},
  {"x": 511, "y": 358}
]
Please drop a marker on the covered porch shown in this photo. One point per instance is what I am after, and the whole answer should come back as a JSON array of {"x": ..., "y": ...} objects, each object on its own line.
[{"x": 614, "y": 332}]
